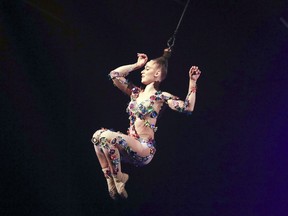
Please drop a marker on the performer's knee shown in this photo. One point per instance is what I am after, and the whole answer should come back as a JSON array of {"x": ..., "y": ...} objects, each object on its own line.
[{"x": 97, "y": 136}]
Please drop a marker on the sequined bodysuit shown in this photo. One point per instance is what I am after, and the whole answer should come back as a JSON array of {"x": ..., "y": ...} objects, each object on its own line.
[{"x": 144, "y": 110}]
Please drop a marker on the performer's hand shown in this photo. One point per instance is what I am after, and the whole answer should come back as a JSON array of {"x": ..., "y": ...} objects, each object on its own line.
[
  {"x": 194, "y": 73},
  {"x": 142, "y": 59}
]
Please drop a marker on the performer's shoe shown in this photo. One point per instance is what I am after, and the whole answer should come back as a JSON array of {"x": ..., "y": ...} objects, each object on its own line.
[
  {"x": 110, "y": 183},
  {"x": 120, "y": 181},
  {"x": 112, "y": 188}
]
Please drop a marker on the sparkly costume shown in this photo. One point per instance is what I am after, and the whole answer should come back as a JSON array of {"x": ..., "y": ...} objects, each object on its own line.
[
  {"x": 145, "y": 111},
  {"x": 131, "y": 157},
  {"x": 115, "y": 146}
]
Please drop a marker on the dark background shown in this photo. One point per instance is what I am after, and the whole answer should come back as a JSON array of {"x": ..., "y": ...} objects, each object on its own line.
[{"x": 228, "y": 158}]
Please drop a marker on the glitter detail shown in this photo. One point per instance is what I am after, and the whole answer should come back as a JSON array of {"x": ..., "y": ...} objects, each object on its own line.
[
  {"x": 136, "y": 159},
  {"x": 143, "y": 110},
  {"x": 120, "y": 77}
]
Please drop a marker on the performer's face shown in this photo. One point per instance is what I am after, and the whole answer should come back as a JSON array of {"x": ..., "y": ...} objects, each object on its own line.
[{"x": 151, "y": 73}]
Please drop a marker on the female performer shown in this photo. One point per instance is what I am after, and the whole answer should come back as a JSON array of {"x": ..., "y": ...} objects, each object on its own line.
[{"x": 138, "y": 146}]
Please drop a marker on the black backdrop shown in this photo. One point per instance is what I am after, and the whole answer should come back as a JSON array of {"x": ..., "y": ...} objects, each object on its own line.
[{"x": 228, "y": 158}]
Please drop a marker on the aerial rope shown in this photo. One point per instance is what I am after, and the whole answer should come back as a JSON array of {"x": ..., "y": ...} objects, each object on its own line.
[{"x": 171, "y": 41}]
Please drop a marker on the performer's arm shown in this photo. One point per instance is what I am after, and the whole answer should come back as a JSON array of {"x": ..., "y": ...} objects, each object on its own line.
[
  {"x": 186, "y": 106},
  {"x": 118, "y": 75}
]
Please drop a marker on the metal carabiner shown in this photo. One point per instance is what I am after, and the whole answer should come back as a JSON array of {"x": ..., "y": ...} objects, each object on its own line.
[{"x": 171, "y": 42}]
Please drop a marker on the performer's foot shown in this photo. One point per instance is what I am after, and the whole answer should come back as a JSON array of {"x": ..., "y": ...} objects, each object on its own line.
[
  {"x": 110, "y": 183},
  {"x": 120, "y": 181},
  {"x": 112, "y": 188}
]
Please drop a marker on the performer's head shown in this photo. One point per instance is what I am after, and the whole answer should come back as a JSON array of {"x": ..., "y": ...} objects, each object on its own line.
[{"x": 156, "y": 70}]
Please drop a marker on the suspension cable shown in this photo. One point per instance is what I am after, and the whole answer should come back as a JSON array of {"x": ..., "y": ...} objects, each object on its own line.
[{"x": 171, "y": 41}]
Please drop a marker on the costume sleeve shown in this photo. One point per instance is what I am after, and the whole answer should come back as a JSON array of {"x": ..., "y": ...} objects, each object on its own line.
[
  {"x": 121, "y": 82},
  {"x": 176, "y": 104}
]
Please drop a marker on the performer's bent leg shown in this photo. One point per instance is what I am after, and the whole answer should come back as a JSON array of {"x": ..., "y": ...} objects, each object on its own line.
[
  {"x": 107, "y": 170},
  {"x": 113, "y": 156},
  {"x": 111, "y": 142}
]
